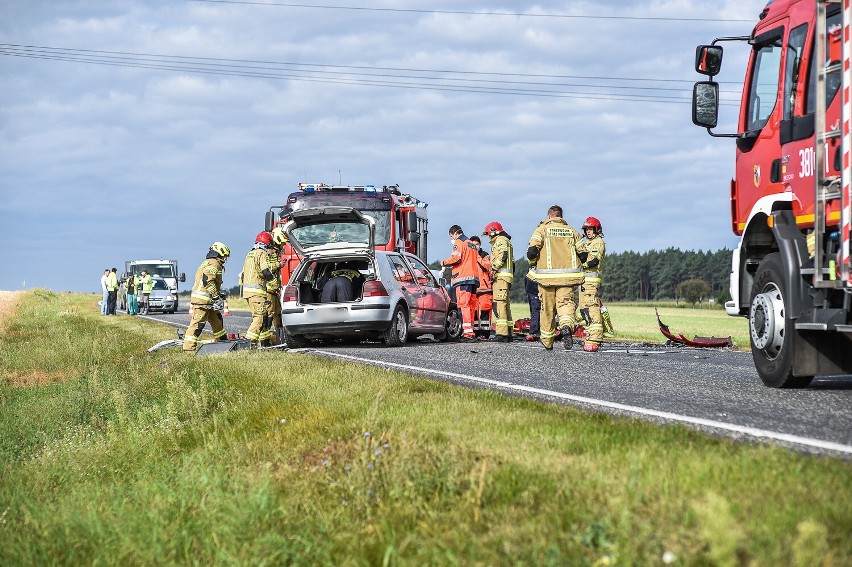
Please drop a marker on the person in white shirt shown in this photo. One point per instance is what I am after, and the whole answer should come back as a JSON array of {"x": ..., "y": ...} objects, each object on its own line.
[{"x": 105, "y": 301}]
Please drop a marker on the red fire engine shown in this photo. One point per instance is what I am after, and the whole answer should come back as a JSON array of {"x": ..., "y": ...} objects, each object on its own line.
[
  {"x": 790, "y": 195},
  {"x": 401, "y": 221}
]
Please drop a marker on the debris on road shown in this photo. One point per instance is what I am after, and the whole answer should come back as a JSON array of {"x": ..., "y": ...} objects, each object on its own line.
[{"x": 700, "y": 342}]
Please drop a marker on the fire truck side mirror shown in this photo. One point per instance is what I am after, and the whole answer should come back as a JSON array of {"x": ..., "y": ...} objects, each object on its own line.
[
  {"x": 269, "y": 221},
  {"x": 708, "y": 59},
  {"x": 411, "y": 221},
  {"x": 705, "y": 104}
]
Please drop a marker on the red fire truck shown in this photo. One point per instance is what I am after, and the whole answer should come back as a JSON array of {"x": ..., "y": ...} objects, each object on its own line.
[
  {"x": 401, "y": 220},
  {"x": 790, "y": 195}
]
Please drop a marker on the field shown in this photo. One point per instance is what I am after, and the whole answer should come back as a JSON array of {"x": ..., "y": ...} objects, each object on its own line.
[{"x": 112, "y": 456}]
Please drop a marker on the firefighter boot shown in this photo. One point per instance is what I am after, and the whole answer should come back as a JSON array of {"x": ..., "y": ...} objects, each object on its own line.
[
  {"x": 609, "y": 331},
  {"x": 567, "y": 337}
]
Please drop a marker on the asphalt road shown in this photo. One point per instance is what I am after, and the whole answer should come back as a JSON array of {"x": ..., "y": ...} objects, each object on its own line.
[{"x": 717, "y": 391}]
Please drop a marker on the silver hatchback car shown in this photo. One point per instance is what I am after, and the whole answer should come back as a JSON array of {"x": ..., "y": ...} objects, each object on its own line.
[{"x": 345, "y": 289}]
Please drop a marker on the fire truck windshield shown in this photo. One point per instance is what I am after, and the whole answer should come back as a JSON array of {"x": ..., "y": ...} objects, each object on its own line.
[{"x": 375, "y": 207}]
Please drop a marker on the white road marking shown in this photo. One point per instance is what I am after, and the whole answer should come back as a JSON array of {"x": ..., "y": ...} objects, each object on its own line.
[{"x": 750, "y": 431}]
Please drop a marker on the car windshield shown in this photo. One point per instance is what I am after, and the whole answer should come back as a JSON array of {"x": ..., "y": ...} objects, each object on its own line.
[
  {"x": 160, "y": 284},
  {"x": 376, "y": 208},
  {"x": 332, "y": 233}
]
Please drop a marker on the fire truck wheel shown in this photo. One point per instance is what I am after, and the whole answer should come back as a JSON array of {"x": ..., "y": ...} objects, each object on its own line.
[
  {"x": 771, "y": 330},
  {"x": 397, "y": 333},
  {"x": 453, "y": 325},
  {"x": 296, "y": 341}
]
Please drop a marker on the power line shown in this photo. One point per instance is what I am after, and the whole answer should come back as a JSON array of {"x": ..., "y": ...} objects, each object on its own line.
[
  {"x": 471, "y": 13},
  {"x": 297, "y": 65},
  {"x": 210, "y": 66}
]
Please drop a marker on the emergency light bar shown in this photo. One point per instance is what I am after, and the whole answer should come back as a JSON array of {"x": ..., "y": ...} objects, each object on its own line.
[{"x": 314, "y": 187}]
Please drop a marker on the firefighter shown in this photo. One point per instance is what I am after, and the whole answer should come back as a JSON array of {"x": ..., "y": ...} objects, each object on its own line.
[
  {"x": 502, "y": 273},
  {"x": 206, "y": 298},
  {"x": 558, "y": 272},
  {"x": 463, "y": 264},
  {"x": 273, "y": 287},
  {"x": 591, "y": 251},
  {"x": 258, "y": 272},
  {"x": 484, "y": 293}
]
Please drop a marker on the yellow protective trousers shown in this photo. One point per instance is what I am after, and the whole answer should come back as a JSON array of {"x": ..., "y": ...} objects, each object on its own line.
[
  {"x": 201, "y": 315},
  {"x": 261, "y": 308},
  {"x": 556, "y": 300},
  {"x": 503, "y": 322},
  {"x": 591, "y": 309}
]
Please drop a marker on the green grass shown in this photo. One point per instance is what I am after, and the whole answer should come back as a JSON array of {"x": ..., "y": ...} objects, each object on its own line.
[{"x": 109, "y": 455}]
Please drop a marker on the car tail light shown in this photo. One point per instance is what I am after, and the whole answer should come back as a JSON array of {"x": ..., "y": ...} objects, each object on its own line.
[
  {"x": 374, "y": 288},
  {"x": 290, "y": 293}
]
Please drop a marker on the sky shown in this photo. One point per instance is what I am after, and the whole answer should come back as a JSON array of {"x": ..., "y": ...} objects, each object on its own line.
[{"x": 133, "y": 129}]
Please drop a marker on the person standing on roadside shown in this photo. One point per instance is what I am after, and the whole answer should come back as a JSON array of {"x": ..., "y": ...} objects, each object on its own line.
[
  {"x": 105, "y": 290},
  {"x": 502, "y": 274},
  {"x": 258, "y": 272},
  {"x": 112, "y": 288},
  {"x": 273, "y": 287},
  {"x": 130, "y": 286},
  {"x": 591, "y": 251},
  {"x": 558, "y": 273},
  {"x": 144, "y": 287},
  {"x": 484, "y": 293},
  {"x": 206, "y": 297},
  {"x": 464, "y": 267},
  {"x": 531, "y": 289}
]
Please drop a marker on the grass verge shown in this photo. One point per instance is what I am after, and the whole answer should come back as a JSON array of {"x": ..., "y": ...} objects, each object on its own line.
[{"x": 275, "y": 458}]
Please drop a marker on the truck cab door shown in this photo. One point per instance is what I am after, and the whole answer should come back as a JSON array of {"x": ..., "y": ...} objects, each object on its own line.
[{"x": 758, "y": 147}]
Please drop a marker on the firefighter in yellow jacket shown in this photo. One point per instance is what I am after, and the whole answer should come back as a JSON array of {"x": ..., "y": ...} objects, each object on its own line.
[
  {"x": 258, "y": 271},
  {"x": 206, "y": 298},
  {"x": 273, "y": 287},
  {"x": 558, "y": 272},
  {"x": 591, "y": 251},
  {"x": 502, "y": 274}
]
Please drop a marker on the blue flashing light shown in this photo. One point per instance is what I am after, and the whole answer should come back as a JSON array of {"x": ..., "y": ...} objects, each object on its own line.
[
  {"x": 369, "y": 188},
  {"x": 310, "y": 189}
]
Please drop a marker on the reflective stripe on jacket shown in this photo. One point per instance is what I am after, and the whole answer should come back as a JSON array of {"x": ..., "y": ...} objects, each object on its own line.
[
  {"x": 557, "y": 263},
  {"x": 208, "y": 282},
  {"x": 463, "y": 262},
  {"x": 503, "y": 257},
  {"x": 257, "y": 271}
]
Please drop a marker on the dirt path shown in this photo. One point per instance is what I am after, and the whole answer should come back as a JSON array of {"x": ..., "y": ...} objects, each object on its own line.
[{"x": 8, "y": 302}]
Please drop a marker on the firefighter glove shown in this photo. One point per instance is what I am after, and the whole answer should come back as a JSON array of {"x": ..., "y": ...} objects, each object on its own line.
[{"x": 218, "y": 304}]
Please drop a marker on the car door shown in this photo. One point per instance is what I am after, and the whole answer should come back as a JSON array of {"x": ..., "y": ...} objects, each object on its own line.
[
  {"x": 433, "y": 301},
  {"x": 410, "y": 290}
]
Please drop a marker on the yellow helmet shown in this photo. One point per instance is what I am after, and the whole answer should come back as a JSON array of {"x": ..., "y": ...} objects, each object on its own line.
[
  {"x": 221, "y": 249},
  {"x": 278, "y": 236}
]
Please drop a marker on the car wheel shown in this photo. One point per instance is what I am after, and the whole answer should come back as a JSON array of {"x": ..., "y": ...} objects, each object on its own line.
[
  {"x": 397, "y": 333},
  {"x": 771, "y": 331},
  {"x": 296, "y": 341},
  {"x": 452, "y": 325}
]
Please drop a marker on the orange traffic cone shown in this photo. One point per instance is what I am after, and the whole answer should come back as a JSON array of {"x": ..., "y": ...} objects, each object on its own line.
[
  {"x": 191, "y": 310},
  {"x": 226, "y": 312}
]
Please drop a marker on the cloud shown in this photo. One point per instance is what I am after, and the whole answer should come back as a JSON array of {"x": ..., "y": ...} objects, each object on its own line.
[{"x": 140, "y": 162}]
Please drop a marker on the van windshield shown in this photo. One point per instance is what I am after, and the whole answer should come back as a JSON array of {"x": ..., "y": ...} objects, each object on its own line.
[{"x": 162, "y": 270}]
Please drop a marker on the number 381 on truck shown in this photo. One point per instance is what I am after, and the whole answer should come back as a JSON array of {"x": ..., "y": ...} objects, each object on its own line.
[{"x": 790, "y": 194}]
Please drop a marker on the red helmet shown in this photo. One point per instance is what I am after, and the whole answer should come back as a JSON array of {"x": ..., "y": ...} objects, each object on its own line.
[
  {"x": 264, "y": 238},
  {"x": 492, "y": 227},
  {"x": 593, "y": 223}
]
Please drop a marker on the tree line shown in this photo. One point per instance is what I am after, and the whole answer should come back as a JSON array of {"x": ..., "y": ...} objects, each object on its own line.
[{"x": 670, "y": 274}]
